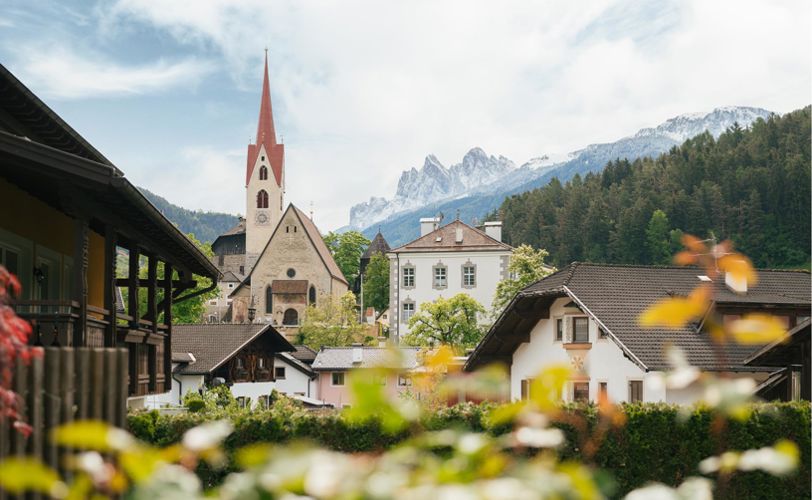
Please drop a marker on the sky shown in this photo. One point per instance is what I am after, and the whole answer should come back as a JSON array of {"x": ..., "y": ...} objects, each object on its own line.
[{"x": 362, "y": 90}]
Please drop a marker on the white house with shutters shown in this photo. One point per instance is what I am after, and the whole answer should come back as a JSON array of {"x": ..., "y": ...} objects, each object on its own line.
[{"x": 442, "y": 262}]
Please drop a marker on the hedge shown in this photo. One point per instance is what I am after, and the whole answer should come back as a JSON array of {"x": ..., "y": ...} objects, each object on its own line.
[{"x": 657, "y": 443}]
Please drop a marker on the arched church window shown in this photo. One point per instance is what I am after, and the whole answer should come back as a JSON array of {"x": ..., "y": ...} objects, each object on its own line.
[
  {"x": 312, "y": 295},
  {"x": 268, "y": 300},
  {"x": 262, "y": 199},
  {"x": 291, "y": 317},
  {"x": 263, "y": 173}
]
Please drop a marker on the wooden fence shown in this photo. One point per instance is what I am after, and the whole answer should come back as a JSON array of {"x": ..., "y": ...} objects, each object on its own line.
[{"x": 64, "y": 385}]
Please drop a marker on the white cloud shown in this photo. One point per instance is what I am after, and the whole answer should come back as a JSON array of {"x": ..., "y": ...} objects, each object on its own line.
[
  {"x": 59, "y": 72},
  {"x": 365, "y": 89}
]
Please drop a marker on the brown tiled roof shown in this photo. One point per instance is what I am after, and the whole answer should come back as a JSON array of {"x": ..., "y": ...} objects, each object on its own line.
[
  {"x": 304, "y": 354},
  {"x": 289, "y": 286},
  {"x": 444, "y": 239},
  {"x": 617, "y": 294},
  {"x": 214, "y": 344},
  {"x": 239, "y": 228}
]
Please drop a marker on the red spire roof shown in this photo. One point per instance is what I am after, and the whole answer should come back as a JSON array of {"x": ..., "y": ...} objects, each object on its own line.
[{"x": 266, "y": 135}]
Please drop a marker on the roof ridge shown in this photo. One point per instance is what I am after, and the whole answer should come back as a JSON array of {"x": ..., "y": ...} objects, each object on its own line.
[{"x": 674, "y": 266}]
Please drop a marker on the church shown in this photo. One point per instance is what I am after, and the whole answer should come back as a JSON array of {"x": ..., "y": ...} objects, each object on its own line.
[{"x": 274, "y": 261}]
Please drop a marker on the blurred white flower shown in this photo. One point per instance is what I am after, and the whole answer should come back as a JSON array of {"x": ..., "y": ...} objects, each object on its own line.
[
  {"x": 471, "y": 443},
  {"x": 723, "y": 392},
  {"x": 93, "y": 465},
  {"x": 539, "y": 438},
  {"x": 207, "y": 436},
  {"x": 119, "y": 439},
  {"x": 325, "y": 475},
  {"x": 693, "y": 488}
]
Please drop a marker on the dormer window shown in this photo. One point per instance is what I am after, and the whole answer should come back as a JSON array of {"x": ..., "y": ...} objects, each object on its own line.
[{"x": 263, "y": 173}]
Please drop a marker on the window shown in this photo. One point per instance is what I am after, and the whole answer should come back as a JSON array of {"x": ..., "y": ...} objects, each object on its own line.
[
  {"x": 242, "y": 269},
  {"x": 261, "y": 363},
  {"x": 408, "y": 311},
  {"x": 268, "y": 300},
  {"x": 603, "y": 392},
  {"x": 559, "y": 329},
  {"x": 263, "y": 158},
  {"x": 469, "y": 276},
  {"x": 580, "y": 392},
  {"x": 338, "y": 378},
  {"x": 263, "y": 173},
  {"x": 262, "y": 199},
  {"x": 312, "y": 294},
  {"x": 291, "y": 272},
  {"x": 635, "y": 391},
  {"x": 525, "y": 389},
  {"x": 279, "y": 372},
  {"x": 291, "y": 318},
  {"x": 404, "y": 381},
  {"x": 580, "y": 330},
  {"x": 408, "y": 276},
  {"x": 440, "y": 276},
  {"x": 241, "y": 402}
]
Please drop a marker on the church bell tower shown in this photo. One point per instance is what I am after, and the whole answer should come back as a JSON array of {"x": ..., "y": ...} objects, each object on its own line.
[{"x": 264, "y": 180}]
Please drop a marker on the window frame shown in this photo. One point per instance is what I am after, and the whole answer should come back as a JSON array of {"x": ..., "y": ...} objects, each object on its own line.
[
  {"x": 262, "y": 199},
  {"x": 263, "y": 173},
  {"x": 463, "y": 270},
  {"x": 412, "y": 275},
  {"x": 276, "y": 371},
  {"x": 558, "y": 334},
  {"x": 434, "y": 279},
  {"x": 575, "y": 391},
  {"x": 334, "y": 376},
  {"x": 631, "y": 384},
  {"x": 403, "y": 304},
  {"x": 575, "y": 320}
]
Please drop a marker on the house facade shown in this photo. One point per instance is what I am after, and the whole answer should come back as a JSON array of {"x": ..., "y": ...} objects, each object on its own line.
[
  {"x": 585, "y": 316},
  {"x": 293, "y": 271},
  {"x": 442, "y": 262},
  {"x": 69, "y": 214},
  {"x": 336, "y": 365}
]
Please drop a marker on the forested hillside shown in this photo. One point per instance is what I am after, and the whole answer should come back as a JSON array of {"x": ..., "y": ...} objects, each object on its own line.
[
  {"x": 206, "y": 226},
  {"x": 751, "y": 186}
]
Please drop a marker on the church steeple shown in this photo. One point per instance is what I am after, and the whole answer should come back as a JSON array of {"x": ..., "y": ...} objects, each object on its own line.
[{"x": 266, "y": 134}]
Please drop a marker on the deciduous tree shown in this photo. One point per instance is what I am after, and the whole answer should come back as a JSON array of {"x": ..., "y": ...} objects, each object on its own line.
[
  {"x": 453, "y": 322},
  {"x": 526, "y": 267}
]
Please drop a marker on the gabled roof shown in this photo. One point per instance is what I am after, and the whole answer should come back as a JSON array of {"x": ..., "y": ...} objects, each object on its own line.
[
  {"x": 215, "y": 343},
  {"x": 230, "y": 277},
  {"x": 784, "y": 351},
  {"x": 377, "y": 245},
  {"x": 616, "y": 295},
  {"x": 340, "y": 358},
  {"x": 444, "y": 239}
]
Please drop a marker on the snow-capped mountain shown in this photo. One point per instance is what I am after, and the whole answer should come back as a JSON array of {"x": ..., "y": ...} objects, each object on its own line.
[
  {"x": 480, "y": 182},
  {"x": 432, "y": 182}
]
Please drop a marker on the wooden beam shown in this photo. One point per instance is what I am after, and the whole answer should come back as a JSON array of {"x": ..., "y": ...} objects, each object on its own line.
[
  {"x": 110, "y": 290},
  {"x": 143, "y": 282},
  {"x": 132, "y": 290},
  {"x": 152, "y": 290},
  {"x": 80, "y": 264},
  {"x": 167, "y": 309}
]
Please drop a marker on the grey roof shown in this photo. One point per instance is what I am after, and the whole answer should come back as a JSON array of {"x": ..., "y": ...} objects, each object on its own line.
[
  {"x": 304, "y": 354},
  {"x": 213, "y": 344},
  {"x": 616, "y": 295},
  {"x": 182, "y": 357},
  {"x": 292, "y": 361},
  {"x": 340, "y": 358},
  {"x": 231, "y": 277},
  {"x": 444, "y": 239}
]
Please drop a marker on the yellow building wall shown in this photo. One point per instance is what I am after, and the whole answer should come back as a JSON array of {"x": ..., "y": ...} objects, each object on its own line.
[{"x": 32, "y": 219}]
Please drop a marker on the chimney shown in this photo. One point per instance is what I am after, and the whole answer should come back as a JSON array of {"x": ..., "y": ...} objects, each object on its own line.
[
  {"x": 357, "y": 354},
  {"x": 494, "y": 229},
  {"x": 428, "y": 224},
  {"x": 738, "y": 286}
]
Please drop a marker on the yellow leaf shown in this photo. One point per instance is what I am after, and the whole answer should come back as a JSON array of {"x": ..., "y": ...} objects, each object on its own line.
[
  {"x": 440, "y": 359},
  {"x": 18, "y": 475},
  {"x": 684, "y": 258},
  {"x": 757, "y": 328},
  {"x": 141, "y": 462},
  {"x": 505, "y": 414},
  {"x": 92, "y": 435},
  {"x": 253, "y": 455},
  {"x": 693, "y": 243},
  {"x": 788, "y": 448},
  {"x": 740, "y": 268},
  {"x": 545, "y": 389},
  {"x": 677, "y": 311}
]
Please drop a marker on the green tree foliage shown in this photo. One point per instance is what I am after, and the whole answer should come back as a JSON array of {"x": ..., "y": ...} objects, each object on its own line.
[
  {"x": 453, "y": 322},
  {"x": 376, "y": 283},
  {"x": 347, "y": 249},
  {"x": 750, "y": 186},
  {"x": 658, "y": 238},
  {"x": 332, "y": 322},
  {"x": 187, "y": 311},
  {"x": 526, "y": 267}
]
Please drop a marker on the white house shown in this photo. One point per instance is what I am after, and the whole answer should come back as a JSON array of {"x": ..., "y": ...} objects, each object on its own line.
[
  {"x": 442, "y": 262},
  {"x": 586, "y": 316},
  {"x": 252, "y": 359}
]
